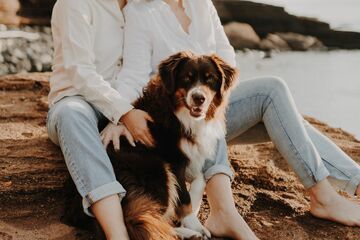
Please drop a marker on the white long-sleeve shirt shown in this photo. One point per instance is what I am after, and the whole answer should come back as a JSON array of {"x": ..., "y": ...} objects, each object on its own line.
[
  {"x": 88, "y": 41},
  {"x": 153, "y": 33}
]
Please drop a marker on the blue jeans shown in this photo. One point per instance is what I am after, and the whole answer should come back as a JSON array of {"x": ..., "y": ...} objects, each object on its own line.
[
  {"x": 265, "y": 105},
  {"x": 73, "y": 125}
]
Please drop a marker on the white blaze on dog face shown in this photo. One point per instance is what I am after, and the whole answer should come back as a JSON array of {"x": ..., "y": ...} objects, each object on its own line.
[
  {"x": 198, "y": 100},
  {"x": 196, "y": 84}
]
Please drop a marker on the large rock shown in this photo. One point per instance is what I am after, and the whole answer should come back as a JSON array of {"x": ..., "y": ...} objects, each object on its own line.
[
  {"x": 274, "y": 42},
  {"x": 241, "y": 35},
  {"x": 300, "y": 42},
  {"x": 32, "y": 174},
  {"x": 271, "y": 19}
]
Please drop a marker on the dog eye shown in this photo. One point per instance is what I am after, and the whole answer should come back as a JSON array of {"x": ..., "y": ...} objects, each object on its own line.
[{"x": 210, "y": 79}]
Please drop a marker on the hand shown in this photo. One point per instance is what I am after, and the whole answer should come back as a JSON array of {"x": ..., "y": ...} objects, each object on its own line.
[
  {"x": 136, "y": 122},
  {"x": 112, "y": 133}
]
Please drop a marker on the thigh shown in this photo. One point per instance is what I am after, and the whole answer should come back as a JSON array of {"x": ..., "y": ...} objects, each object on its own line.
[
  {"x": 71, "y": 110},
  {"x": 245, "y": 110}
]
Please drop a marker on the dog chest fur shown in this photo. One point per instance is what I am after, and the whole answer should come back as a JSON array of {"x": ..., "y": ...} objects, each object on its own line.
[{"x": 202, "y": 146}]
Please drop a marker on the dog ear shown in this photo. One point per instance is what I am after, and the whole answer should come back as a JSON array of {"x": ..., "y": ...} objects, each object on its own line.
[
  {"x": 228, "y": 73},
  {"x": 169, "y": 67}
]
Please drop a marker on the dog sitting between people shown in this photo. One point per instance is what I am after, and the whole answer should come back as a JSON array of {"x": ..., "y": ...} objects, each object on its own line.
[{"x": 187, "y": 100}]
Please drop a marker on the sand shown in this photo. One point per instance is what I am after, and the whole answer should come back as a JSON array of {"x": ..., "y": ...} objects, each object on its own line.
[{"x": 32, "y": 174}]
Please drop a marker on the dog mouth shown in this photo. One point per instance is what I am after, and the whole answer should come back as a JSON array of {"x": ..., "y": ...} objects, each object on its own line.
[{"x": 196, "y": 111}]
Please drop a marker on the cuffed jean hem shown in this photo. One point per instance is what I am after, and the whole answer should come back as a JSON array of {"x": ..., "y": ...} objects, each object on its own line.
[
  {"x": 353, "y": 184},
  {"x": 101, "y": 193},
  {"x": 315, "y": 178},
  {"x": 218, "y": 169}
]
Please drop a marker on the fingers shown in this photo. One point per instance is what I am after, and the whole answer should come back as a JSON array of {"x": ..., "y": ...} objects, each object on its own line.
[
  {"x": 146, "y": 139},
  {"x": 130, "y": 138},
  {"x": 149, "y": 118},
  {"x": 116, "y": 143},
  {"x": 105, "y": 140}
]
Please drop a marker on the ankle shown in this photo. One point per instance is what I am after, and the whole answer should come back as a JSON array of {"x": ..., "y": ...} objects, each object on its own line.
[
  {"x": 223, "y": 211},
  {"x": 323, "y": 193}
]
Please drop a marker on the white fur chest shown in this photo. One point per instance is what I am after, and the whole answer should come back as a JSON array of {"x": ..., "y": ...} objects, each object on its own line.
[{"x": 203, "y": 145}]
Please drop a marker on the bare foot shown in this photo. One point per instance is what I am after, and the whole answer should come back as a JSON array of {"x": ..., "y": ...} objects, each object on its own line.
[
  {"x": 326, "y": 203},
  {"x": 230, "y": 225}
]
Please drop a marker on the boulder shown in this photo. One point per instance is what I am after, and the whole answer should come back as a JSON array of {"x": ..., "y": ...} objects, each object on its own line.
[
  {"x": 267, "y": 19},
  {"x": 274, "y": 42},
  {"x": 241, "y": 35},
  {"x": 300, "y": 42}
]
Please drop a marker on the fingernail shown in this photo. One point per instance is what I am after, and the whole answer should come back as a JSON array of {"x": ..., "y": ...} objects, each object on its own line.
[{"x": 133, "y": 144}]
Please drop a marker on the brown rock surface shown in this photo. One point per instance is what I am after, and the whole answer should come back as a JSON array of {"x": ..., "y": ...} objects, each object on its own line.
[
  {"x": 241, "y": 35},
  {"x": 32, "y": 174}
]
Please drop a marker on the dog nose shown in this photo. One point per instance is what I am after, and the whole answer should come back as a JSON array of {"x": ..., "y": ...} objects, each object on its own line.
[{"x": 198, "y": 98}]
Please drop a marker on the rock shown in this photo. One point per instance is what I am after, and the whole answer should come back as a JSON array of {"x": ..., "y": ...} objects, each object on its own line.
[
  {"x": 32, "y": 174},
  {"x": 241, "y": 35},
  {"x": 300, "y": 42},
  {"x": 274, "y": 42},
  {"x": 267, "y": 19},
  {"x": 26, "y": 49}
]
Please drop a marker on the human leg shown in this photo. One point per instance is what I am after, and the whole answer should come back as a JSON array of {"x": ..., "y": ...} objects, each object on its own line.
[
  {"x": 269, "y": 100},
  {"x": 224, "y": 219},
  {"x": 72, "y": 124}
]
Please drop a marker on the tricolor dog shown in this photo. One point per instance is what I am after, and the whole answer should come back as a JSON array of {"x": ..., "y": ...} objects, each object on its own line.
[{"x": 187, "y": 100}]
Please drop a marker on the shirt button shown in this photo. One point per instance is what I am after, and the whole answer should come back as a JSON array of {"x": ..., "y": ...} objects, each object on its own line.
[{"x": 122, "y": 27}]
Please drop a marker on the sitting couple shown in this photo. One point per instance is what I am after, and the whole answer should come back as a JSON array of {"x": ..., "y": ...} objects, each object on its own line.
[{"x": 106, "y": 52}]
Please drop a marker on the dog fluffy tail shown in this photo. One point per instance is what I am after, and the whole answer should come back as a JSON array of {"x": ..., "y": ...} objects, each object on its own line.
[{"x": 144, "y": 221}]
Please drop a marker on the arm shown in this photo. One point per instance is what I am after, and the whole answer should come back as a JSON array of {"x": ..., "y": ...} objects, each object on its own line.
[
  {"x": 133, "y": 76},
  {"x": 72, "y": 19},
  {"x": 223, "y": 46}
]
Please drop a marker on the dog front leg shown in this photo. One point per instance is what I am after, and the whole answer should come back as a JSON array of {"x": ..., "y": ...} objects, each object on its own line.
[
  {"x": 191, "y": 220},
  {"x": 197, "y": 189}
]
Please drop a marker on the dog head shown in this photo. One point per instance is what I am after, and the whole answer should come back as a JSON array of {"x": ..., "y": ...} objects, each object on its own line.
[{"x": 197, "y": 84}]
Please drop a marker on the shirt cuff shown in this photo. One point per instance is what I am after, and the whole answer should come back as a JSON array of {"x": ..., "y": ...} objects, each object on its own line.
[{"x": 119, "y": 112}]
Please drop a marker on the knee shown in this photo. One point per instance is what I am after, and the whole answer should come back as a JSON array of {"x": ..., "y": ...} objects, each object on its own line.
[
  {"x": 74, "y": 112},
  {"x": 275, "y": 85}
]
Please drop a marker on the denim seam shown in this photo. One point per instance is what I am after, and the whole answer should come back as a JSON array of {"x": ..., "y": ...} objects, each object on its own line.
[
  {"x": 72, "y": 165},
  {"x": 345, "y": 173},
  {"x": 297, "y": 153},
  {"x": 277, "y": 113}
]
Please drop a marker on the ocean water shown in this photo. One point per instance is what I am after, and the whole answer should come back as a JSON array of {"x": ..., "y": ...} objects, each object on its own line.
[
  {"x": 325, "y": 85},
  {"x": 341, "y": 14}
]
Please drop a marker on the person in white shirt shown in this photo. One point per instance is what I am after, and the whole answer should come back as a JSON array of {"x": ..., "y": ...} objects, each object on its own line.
[
  {"x": 159, "y": 28},
  {"x": 88, "y": 41}
]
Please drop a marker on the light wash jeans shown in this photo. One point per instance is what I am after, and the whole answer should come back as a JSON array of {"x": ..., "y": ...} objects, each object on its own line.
[
  {"x": 263, "y": 105},
  {"x": 73, "y": 125}
]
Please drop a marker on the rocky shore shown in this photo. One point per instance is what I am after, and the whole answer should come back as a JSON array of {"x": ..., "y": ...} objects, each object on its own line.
[
  {"x": 26, "y": 42},
  {"x": 32, "y": 174}
]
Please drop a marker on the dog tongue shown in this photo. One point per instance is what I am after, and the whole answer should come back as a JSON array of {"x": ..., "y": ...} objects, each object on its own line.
[{"x": 196, "y": 111}]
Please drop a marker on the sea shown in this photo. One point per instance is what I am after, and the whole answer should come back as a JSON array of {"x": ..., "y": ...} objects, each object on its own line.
[
  {"x": 325, "y": 85},
  {"x": 340, "y": 14}
]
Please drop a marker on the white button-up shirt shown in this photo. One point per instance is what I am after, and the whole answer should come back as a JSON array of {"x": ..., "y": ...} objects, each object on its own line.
[
  {"x": 153, "y": 33},
  {"x": 88, "y": 41}
]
